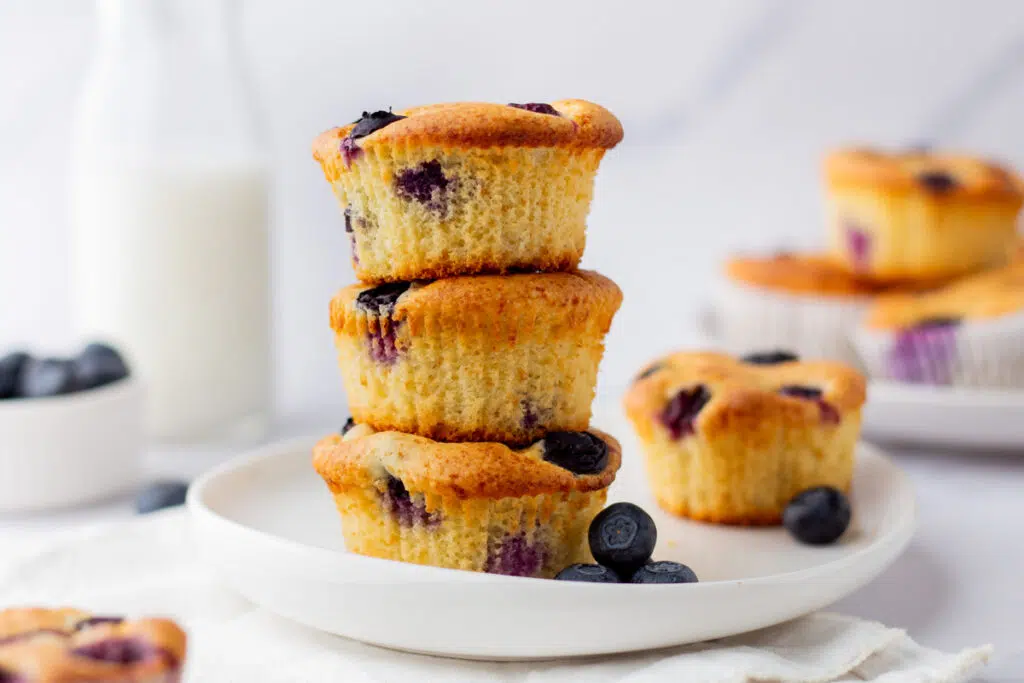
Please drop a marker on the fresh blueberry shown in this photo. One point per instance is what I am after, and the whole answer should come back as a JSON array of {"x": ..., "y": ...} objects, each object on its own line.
[
  {"x": 116, "y": 650},
  {"x": 11, "y": 366},
  {"x": 578, "y": 452},
  {"x": 648, "y": 371},
  {"x": 160, "y": 495},
  {"x": 680, "y": 413},
  {"x": 770, "y": 357},
  {"x": 587, "y": 573},
  {"x": 347, "y": 427},
  {"x": 817, "y": 516},
  {"x": 938, "y": 182},
  {"x": 798, "y": 391},
  {"x": 42, "y": 377},
  {"x": 664, "y": 571},
  {"x": 622, "y": 537},
  {"x": 371, "y": 123},
  {"x": 382, "y": 298},
  {"x": 537, "y": 108},
  {"x": 98, "y": 365}
]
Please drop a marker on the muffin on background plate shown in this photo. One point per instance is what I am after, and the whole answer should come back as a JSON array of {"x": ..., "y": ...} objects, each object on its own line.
[
  {"x": 69, "y": 645},
  {"x": 475, "y": 358},
  {"x": 917, "y": 215},
  {"x": 468, "y": 187},
  {"x": 801, "y": 302},
  {"x": 483, "y": 507},
  {"x": 732, "y": 441},
  {"x": 969, "y": 334}
]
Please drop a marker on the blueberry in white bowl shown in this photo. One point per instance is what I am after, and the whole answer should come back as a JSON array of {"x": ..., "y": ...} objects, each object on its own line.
[
  {"x": 11, "y": 366},
  {"x": 817, "y": 516},
  {"x": 622, "y": 537},
  {"x": 98, "y": 365},
  {"x": 44, "y": 377}
]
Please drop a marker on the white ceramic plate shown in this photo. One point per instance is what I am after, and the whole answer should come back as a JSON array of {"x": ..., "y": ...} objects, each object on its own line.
[
  {"x": 268, "y": 525},
  {"x": 945, "y": 416}
]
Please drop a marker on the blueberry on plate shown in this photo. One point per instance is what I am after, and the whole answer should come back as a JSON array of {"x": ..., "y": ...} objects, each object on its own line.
[
  {"x": 664, "y": 571},
  {"x": 587, "y": 573},
  {"x": 41, "y": 377},
  {"x": 160, "y": 495},
  {"x": 98, "y": 365},
  {"x": 10, "y": 370},
  {"x": 622, "y": 537},
  {"x": 770, "y": 357},
  {"x": 817, "y": 516}
]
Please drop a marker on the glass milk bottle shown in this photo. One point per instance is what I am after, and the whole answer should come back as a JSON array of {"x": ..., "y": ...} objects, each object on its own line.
[{"x": 169, "y": 216}]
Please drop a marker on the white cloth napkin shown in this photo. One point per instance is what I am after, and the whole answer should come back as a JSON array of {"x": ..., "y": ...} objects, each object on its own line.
[{"x": 148, "y": 566}]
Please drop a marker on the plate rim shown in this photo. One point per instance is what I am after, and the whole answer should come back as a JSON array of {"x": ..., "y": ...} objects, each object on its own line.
[{"x": 898, "y": 537}]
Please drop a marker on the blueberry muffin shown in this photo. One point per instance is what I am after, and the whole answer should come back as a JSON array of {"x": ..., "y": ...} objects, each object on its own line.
[
  {"x": 464, "y": 188},
  {"x": 732, "y": 440},
  {"x": 918, "y": 215},
  {"x": 803, "y": 302},
  {"x": 966, "y": 334},
  {"x": 475, "y": 358},
  {"x": 483, "y": 507},
  {"x": 70, "y": 646}
]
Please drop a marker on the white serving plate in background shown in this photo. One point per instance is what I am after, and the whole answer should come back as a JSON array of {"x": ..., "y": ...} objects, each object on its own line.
[
  {"x": 68, "y": 450},
  {"x": 944, "y": 416},
  {"x": 267, "y": 524}
]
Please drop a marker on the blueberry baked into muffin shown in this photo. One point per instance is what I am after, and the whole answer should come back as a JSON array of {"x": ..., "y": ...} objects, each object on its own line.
[
  {"x": 470, "y": 187},
  {"x": 919, "y": 216},
  {"x": 732, "y": 440},
  {"x": 966, "y": 334},
  {"x": 804, "y": 302},
  {"x": 483, "y": 507},
  {"x": 475, "y": 358},
  {"x": 70, "y": 646}
]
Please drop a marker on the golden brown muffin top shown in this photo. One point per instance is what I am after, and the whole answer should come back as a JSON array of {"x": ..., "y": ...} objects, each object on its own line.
[
  {"x": 577, "y": 123},
  {"x": 72, "y": 646},
  {"x": 364, "y": 458},
  {"x": 492, "y": 304},
  {"x": 940, "y": 174},
  {"x": 713, "y": 393},
  {"x": 991, "y": 294},
  {"x": 815, "y": 274}
]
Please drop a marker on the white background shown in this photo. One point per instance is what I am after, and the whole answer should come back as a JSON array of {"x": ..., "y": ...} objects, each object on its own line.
[{"x": 727, "y": 106}]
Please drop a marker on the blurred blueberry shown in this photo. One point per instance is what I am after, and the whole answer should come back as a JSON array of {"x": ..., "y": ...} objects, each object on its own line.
[
  {"x": 98, "y": 365},
  {"x": 10, "y": 370},
  {"x": 160, "y": 495},
  {"x": 42, "y": 377}
]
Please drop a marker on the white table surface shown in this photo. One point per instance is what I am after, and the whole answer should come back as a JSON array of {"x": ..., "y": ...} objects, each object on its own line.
[{"x": 958, "y": 584}]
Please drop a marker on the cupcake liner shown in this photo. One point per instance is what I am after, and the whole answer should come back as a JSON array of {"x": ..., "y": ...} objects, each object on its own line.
[
  {"x": 750, "y": 319},
  {"x": 971, "y": 353},
  {"x": 428, "y": 212},
  {"x": 533, "y": 536}
]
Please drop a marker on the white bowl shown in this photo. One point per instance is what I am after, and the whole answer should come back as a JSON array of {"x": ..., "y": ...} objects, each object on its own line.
[{"x": 71, "y": 449}]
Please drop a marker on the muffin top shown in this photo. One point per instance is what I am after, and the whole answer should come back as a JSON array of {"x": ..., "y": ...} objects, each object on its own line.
[
  {"x": 991, "y": 294},
  {"x": 709, "y": 394},
  {"x": 565, "y": 123},
  {"x": 70, "y": 645},
  {"x": 561, "y": 462},
  {"x": 936, "y": 173},
  {"x": 524, "y": 303},
  {"x": 815, "y": 274}
]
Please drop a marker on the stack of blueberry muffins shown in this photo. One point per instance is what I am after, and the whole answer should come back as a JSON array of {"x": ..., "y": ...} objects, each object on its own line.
[
  {"x": 469, "y": 349},
  {"x": 922, "y": 281}
]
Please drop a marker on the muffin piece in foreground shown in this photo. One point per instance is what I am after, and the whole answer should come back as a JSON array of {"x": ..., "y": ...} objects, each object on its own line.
[
  {"x": 71, "y": 646},
  {"x": 463, "y": 188},
  {"x": 476, "y": 358},
  {"x": 732, "y": 442},
  {"x": 481, "y": 507},
  {"x": 966, "y": 334},
  {"x": 805, "y": 303},
  {"x": 918, "y": 215}
]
